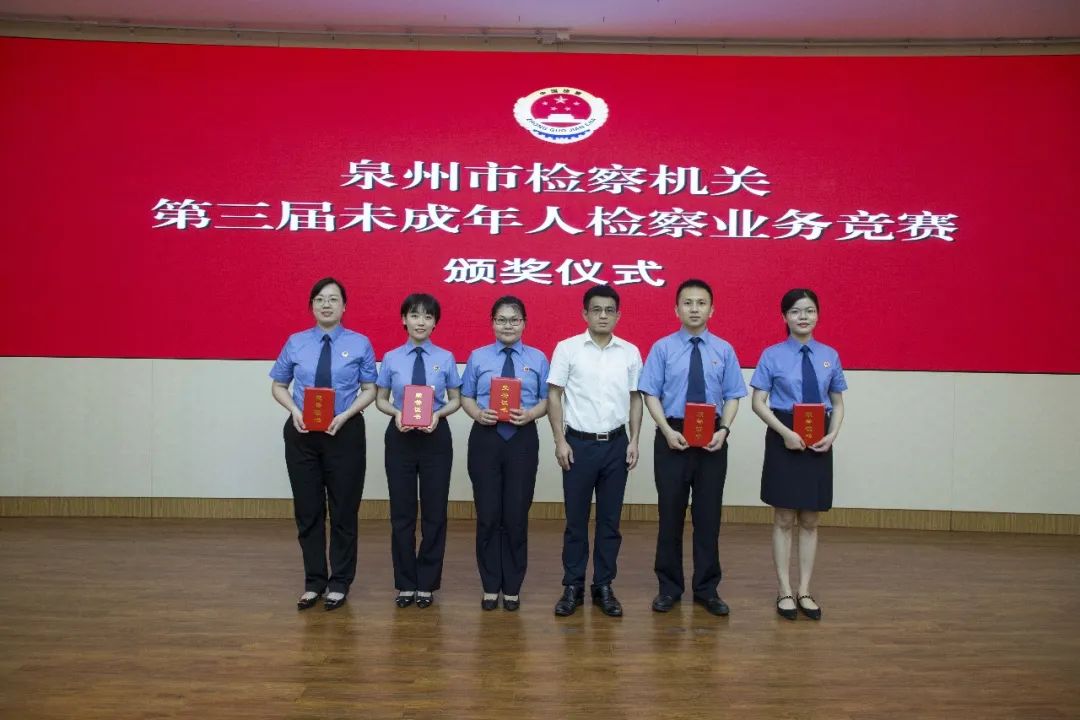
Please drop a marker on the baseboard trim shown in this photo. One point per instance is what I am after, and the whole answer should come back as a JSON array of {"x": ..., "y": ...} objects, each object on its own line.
[{"x": 277, "y": 508}]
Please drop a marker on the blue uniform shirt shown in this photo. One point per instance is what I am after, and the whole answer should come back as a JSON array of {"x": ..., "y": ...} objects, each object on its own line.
[
  {"x": 439, "y": 365},
  {"x": 352, "y": 361},
  {"x": 779, "y": 373},
  {"x": 486, "y": 362},
  {"x": 667, "y": 369}
]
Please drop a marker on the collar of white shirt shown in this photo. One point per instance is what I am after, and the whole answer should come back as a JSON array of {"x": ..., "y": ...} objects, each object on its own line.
[{"x": 587, "y": 339}]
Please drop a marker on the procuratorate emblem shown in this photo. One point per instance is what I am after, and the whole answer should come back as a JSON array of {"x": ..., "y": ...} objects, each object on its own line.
[{"x": 561, "y": 114}]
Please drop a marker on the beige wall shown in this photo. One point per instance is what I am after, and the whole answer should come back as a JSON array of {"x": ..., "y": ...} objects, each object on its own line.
[{"x": 186, "y": 428}]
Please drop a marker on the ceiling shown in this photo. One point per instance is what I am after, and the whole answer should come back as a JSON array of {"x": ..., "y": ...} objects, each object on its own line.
[{"x": 565, "y": 20}]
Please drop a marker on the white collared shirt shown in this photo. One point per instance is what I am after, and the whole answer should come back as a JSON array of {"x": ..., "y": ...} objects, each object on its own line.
[{"x": 596, "y": 381}]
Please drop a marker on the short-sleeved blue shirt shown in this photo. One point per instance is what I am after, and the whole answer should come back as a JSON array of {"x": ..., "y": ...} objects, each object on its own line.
[
  {"x": 667, "y": 370},
  {"x": 779, "y": 373},
  {"x": 440, "y": 371},
  {"x": 530, "y": 366},
  {"x": 352, "y": 362}
]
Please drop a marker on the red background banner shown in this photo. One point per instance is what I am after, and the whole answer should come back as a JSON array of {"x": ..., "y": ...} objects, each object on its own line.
[{"x": 94, "y": 135}]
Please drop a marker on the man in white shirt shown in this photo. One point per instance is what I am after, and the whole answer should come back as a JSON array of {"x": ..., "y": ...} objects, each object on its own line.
[{"x": 592, "y": 397}]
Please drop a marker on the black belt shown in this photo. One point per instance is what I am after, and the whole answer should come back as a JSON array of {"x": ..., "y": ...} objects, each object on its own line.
[
  {"x": 598, "y": 437},
  {"x": 677, "y": 423}
]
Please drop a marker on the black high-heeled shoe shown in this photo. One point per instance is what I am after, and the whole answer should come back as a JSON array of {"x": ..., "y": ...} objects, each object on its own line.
[
  {"x": 404, "y": 601},
  {"x": 786, "y": 614},
  {"x": 424, "y": 601}
]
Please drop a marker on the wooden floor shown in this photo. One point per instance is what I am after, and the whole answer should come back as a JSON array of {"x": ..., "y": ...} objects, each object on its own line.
[{"x": 106, "y": 618}]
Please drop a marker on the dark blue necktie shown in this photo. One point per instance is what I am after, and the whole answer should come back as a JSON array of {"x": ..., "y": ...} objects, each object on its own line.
[
  {"x": 810, "y": 391},
  {"x": 419, "y": 375},
  {"x": 322, "y": 370},
  {"x": 695, "y": 382},
  {"x": 506, "y": 430}
]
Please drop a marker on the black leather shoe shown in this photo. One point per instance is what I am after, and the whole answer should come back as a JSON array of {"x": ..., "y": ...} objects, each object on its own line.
[
  {"x": 571, "y": 599},
  {"x": 511, "y": 605},
  {"x": 814, "y": 614},
  {"x": 404, "y": 601},
  {"x": 663, "y": 603},
  {"x": 489, "y": 604},
  {"x": 790, "y": 614},
  {"x": 714, "y": 605},
  {"x": 333, "y": 604},
  {"x": 424, "y": 601},
  {"x": 604, "y": 598},
  {"x": 304, "y": 604}
]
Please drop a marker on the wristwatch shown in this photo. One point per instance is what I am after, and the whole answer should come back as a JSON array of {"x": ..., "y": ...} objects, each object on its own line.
[{"x": 724, "y": 427}]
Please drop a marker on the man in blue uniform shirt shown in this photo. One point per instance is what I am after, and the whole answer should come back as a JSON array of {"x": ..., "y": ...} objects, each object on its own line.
[{"x": 691, "y": 365}]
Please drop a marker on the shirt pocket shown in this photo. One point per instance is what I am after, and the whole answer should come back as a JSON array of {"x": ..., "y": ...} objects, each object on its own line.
[
  {"x": 348, "y": 375},
  {"x": 437, "y": 379},
  {"x": 304, "y": 375},
  {"x": 783, "y": 385},
  {"x": 532, "y": 381},
  {"x": 675, "y": 366},
  {"x": 715, "y": 372}
]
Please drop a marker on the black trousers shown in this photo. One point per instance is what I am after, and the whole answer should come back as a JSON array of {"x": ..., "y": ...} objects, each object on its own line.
[
  {"x": 413, "y": 457},
  {"x": 678, "y": 472},
  {"x": 327, "y": 470},
  {"x": 503, "y": 474},
  {"x": 598, "y": 466}
]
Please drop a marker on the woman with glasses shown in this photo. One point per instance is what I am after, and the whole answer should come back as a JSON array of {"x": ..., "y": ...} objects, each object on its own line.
[
  {"x": 418, "y": 458},
  {"x": 326, "y": 467},
  {"x": 795, "y": 479},
  {"x": 503, "y": 456}
]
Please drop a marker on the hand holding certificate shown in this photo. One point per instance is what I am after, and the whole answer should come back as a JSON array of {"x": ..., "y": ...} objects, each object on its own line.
[
  {"x": 505, "y": 396},
  {"x": 318, "y": 408},
  {"x": 699, "y": 424},
  {"x": 417, "y": 405},
  {"x": 809, "y": 422}
]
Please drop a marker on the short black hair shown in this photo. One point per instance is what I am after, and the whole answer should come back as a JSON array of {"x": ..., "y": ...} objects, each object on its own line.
[
  {"x": 605, "y": 291},
  {"x": 514, "y": 302},
  {"x": 421, "y": 303},
  {"x": 318, "y": 288},
  {"x": 693, "y": 283}
]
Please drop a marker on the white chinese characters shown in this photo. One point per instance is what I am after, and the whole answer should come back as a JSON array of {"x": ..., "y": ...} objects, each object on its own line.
[{"x": 514, "y": 271}]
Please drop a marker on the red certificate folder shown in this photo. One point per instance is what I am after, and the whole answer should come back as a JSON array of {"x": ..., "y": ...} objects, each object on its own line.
[
  {"x": 505, "y": 396},
  {"x": 809, "y": 421},
  {"x": 318, "y": 408},
  {"x": 417, "y": 404},
  {"x": 699, "y": 424}
]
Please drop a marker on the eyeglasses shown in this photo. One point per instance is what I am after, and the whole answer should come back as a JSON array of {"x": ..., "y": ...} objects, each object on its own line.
[
  {"x": 508, "y": 322},
  {"x": 322, "y": 301},
  {"x": 603, "y": 311},
  {"x": 807, "y": 313}
]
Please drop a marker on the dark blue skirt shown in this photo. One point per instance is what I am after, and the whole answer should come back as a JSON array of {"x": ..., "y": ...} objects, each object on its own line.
[{"x": 795, "y": 479}]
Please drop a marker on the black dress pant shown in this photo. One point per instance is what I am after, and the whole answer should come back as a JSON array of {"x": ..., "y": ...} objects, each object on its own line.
[
  {"x": 503, "y": 474},
  {"x": 427, "y": 457},
  {"x": 327, "y": 470},
  {"x": 678, "y": 472},
  {"x": 598, "y": 466}
]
